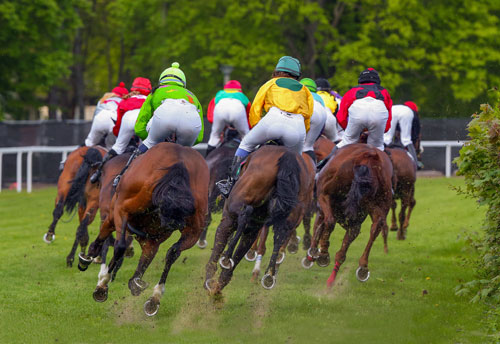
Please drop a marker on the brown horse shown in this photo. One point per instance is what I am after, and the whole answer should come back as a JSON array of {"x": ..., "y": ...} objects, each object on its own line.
[
  {"x": 259, "y": 246},
  {"x": 405, "y": 171},
  {"x": 355, "y": 183},
  {"x": 73, "y": 188},
  {"x": 163, "y": 190},
  {"x": 322, "y": 147},
  {"x": 272, "y": 189}
]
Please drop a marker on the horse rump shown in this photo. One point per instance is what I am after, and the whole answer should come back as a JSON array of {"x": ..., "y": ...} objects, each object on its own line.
[
  {"x": 76, "y": 194},
  {"x": 361, "y": 185},
  {"x": 285, "y": 195},
  {"x": 173, "y": 197}
]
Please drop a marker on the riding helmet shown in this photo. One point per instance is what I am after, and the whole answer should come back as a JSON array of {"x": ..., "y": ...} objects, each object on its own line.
[
  {"x": 323, "y": 84},
  {"x": 120, "y": 89},
  {"x": 288, "y": 64},
  {"x": 369, "y": 75},
  {"x": 141, "y": 85},
  {"x": 309, "y": 83},
  {"x": 173, "y": 75}
]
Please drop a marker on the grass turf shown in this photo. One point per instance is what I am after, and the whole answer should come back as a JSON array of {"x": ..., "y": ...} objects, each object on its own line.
[{"x": 408, "y": 299}]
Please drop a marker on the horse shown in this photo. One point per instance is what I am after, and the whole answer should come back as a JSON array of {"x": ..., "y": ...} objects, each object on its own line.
[
  {"x": 163, "y": 190},
  {"x": 322, "y": 147},
  {"x": 405, "y": 171},
  {"x": 355, "y": 183},
  {"x": 292, "y": 244},
  {"x": 219, "y": 162},
  {"x": 73, "y": 188},
  {"x": 272, "y": 189}
]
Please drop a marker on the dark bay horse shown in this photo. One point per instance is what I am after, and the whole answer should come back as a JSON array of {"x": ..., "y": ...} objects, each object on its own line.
[
  {"x": 272, "y": 189},
  {"x": 405, "y": 171},
  {"x": 163, "y": 190},
  {"x": 355, "y": 183},
  {"x": 219, "y": 162},
  {"x": 74, "y": 189}
]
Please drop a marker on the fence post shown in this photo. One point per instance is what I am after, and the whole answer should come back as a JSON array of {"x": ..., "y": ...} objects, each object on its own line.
[
  {"x": 1, "y": 158},
  {"x": 448, "y": 161},
  {"x": 29, "y": 171},
  {"x": 19, "y": 171}
]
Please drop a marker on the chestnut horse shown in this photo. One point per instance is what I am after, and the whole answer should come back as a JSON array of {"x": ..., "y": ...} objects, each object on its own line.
[
  {"x": 405, "y": 171},
  {"x": 73, "y": 188},
  {"x": 355, "y": 183},
  {"x": 272, "y": 189},
  {"x": 163, "y": 190},
  {"x": 219, "y": 162}
]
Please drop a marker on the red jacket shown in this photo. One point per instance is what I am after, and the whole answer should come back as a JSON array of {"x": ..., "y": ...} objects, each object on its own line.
[
  {"x": 361, "y": 91},
  {"x": 132, "y": 103}
]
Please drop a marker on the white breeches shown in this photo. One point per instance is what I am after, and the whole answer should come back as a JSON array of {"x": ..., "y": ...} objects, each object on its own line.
[
  {"x": 403, "y": 115},
  {"x": 277, "y": 125},
  {"x": 228, "y": 111},
  {"x": 102, "y": 125},
  {"x": 317, "y": 124},
  {"x": 331, "y": 131},
  {"x": 369, "y": 113},
  {"x": 126, "y": 130},
  {"x": 174, "y": 116}
]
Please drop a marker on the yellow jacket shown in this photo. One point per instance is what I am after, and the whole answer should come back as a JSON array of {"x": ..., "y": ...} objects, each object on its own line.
[
  {"x": 286, "y": 94},
  {"x": 329, "y": 100}
]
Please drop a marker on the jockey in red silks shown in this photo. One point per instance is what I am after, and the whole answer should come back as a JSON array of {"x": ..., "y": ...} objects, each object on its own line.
[
  {"x": 366, "y": 106},
  {"x": 229, "y": 107},
  {"x": 105, "y": 115},
  {"x": 407, "y": 117},
  {"x": 127, "y": 113}
]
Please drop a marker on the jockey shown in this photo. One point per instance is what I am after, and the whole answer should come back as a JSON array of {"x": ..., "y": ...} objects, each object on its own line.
[
  {"x": 318, "y": 119},
  {"x": 229, "y": 107},
  {"x": 105, "y": 115},
  {"x": 288, "y": 105},
  {"x": 405, "y": 116},
  {"x": 170, "y": 110},
  {"x": 127, "y": 113},
  {"x": 331, "y": 130}
]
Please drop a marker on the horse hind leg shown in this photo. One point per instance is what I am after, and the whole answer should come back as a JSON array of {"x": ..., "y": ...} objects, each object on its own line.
[
  {"x": 394, "y": 223},
  {"x": 281, "y": 233},
  {"x": 149, "y": 250},
  {"x": 406, "y": 223},
  {"x": 56, "y": 215},
  {"x": 227, "y": 261},
  {"x": 81, "y": 236},
  {"x": 260, "y": 251},
  {"x": 362, "y": 273},
  {"x": 351, "y": 233}
]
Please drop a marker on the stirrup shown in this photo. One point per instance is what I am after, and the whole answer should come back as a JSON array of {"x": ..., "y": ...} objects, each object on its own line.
[
  {"x": 94, "y": 178},
  {"x": 225, "y": 186},
  {"x": 116, "y": 180}
]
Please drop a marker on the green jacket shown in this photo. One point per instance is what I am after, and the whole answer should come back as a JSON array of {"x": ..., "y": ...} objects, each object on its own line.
[{"x": 154, "y": 100}]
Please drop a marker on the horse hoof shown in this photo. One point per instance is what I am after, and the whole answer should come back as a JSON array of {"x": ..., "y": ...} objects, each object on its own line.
[
  {"x": 129, "y": 252},
  {"x": 281, "y": 258},
  {"x": 393, "y": 229},
  {"x": 306, "y": 263},
  {"x": 362, "y": 274},
  {"x": 202, "y": 244},
  {"x": 84, "y": 259},
  {"x": 151, "y": 307},
  {"x": 69, "y": 262},
  {"x": 49, "y": 238},
  {"x": 293, "y": 247},
  {"x": 224, "y": 265},
  {"x": 137, "y": 286},
  {"x": 268, "y": 281},
  {"x": 82, "y": 267},
  {"x": 313, "y": 253},
  {"x": 323, "y": 260},
  {"x": 251, "y": 255},
  {"x": 100, "y": 294},
  {"x": 210, "y": 285},
  {"x": 97, "y": 260},
  {"x": 307, "y": 241}
]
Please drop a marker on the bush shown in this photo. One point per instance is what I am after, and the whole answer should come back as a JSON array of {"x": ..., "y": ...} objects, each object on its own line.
[{"x": 479, "y": 163}]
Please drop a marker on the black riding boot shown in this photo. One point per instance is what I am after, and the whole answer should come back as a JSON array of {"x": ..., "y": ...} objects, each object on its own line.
[
  {"x": 312, "y": 155},
  {"x": 323, "y": 162},
  {"x": 209, "y": 149},
  {"x": 136, "y": 153},
  {"x": 226, "y": 185},
  {"x": 411, "y": 149},
  {"x": 97, "y": 174}
]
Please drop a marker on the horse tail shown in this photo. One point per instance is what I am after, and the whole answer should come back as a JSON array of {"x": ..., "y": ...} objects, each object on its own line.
[
  {"x": 76, "y": 193},
  {"x": 361, "y": 185},
  {"x": 286, "y": 192},
  {"x": 173, "y": 197}
]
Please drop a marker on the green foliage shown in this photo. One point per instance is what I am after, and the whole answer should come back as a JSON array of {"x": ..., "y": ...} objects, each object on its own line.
[{"x": 479, "y": 163}]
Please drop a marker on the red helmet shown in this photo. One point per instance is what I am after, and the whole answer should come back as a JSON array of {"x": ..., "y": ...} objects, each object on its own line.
[
  {"x": 142, "y": 85},
  {"x": 233, "y": 85},
  {"x": 412, "y": 106},
  {"x": 120, "y": 90}
]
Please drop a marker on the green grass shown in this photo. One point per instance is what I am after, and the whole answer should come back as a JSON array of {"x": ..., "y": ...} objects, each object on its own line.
[{"x": 42, "y": 301}]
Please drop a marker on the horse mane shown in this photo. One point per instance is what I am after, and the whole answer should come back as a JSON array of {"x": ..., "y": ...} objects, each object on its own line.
[
  {"x": 76, "y": 193},
  {"x": 173, "y": 197}
]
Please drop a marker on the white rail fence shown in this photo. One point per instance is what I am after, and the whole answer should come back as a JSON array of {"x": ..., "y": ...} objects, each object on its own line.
[{"x": 64, "y": 150}]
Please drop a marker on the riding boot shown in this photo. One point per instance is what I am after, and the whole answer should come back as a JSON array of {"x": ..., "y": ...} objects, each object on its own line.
[
  {"x": 135, "y": 154},
  {"x": 411, "y": 149},
  {"x": 209, "y": 149},
  {"x": 226, "y": 185},
  {"x": 323, "y": 162},
  {"x": 97, "y": 174},
  {"x": 312, "y": 155}
]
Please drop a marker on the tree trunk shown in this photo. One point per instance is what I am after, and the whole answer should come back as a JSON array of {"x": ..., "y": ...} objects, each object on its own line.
[
  {"x": 52, "y": 101},
  {"x": 78, "y": 80}
]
